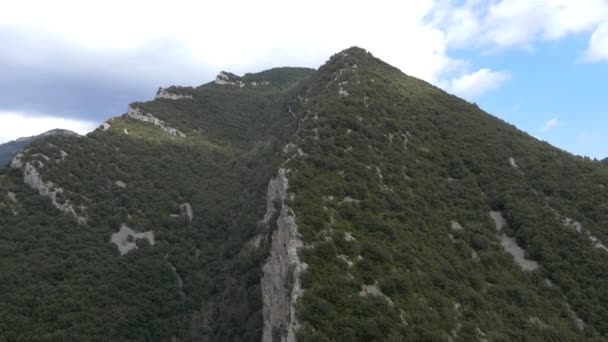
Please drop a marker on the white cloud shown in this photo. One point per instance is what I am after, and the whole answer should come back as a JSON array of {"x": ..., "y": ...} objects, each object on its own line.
[
  {"x": 242, "y": 35},
  {"x": 598, "y": 45},
  {"x": 506, "y": 24},
  {"x": 200, "y": 38},
  {"x": 239, "y": 36},
  {"x": 474, "y": 84},
  {"x": 16, "y": 125},
  {"x": 552, "y": 123}
]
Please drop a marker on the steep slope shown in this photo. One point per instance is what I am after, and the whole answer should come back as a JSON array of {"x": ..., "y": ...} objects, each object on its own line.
[
  {"x": 393, "y": 193},
  {"x": 348, "y": 203},
  {"x": 10, "y": 149}
]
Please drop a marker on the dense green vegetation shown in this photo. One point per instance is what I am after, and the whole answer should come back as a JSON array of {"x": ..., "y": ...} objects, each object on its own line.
[
  {"x": 392, "y": 192},
  {"x": 412, "y": 159},
  {"x": 64, "y": 281}
]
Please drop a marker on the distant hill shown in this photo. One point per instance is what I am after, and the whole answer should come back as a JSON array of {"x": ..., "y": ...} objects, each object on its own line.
[
  {"x": 10, "y": 149},
  {"x": 605, "y": 160}
]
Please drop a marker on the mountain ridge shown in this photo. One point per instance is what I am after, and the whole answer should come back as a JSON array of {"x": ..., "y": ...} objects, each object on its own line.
[
  {"x": 349, "y": 202},
  {"x": 9, "y": 149}
]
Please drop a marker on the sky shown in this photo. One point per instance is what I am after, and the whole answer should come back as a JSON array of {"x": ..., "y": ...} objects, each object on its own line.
[{"x": 541, "y": 65}]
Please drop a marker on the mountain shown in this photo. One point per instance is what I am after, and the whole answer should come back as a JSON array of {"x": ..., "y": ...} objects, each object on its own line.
[
  {"x": 10, "y": 149},
  {"x": 605, "y": 160},
  {"x": 351, "y": 202}
]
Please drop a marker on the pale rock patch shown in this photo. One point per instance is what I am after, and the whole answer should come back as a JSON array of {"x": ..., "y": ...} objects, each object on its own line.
[
  {"x": 390, "y": 137},
  {"x": 138, "y": 114},
  {"x": 328, "y": 198},
  {"x": 346, "y": 260},
  {"x": 45, "y": 157},
  {"x": 164, "y": 93},
  {"x": 580, "y": 324},
  {"x": 125, "y": 239},
  {"x": 348, "y": 236},
  {"x": 32, "y": 178},
  {"x": 17, "y": 162},
  {"x": 455, "y": 225},
  {"x": 402, "y": 317},
  {"x": 534, "y": 320},
  {"x": 578, "y": 227},
  {"x": 281, "y": 284},
  {"x": 474, "y": 255},
  {"x": 224, "y": 79},
  {"x": 105, "y": 126},
  {"x": 572, "y": 223},
  {"x": 255, "y": 242},
  {"x": 290, "y": 147},
  {"x": 187, "y": 211},
  {"x": 120, "y": 184},
  {"x": 374, "y": 290},
  {"x": 510, "y": 244},
  {"x": 180, "y": 283},
  {"x": 451, "y": 237},
  {"x": 341, "y": 91},
  {"x": 349, "y": 199},
  {"x": 12, "y": 196}
]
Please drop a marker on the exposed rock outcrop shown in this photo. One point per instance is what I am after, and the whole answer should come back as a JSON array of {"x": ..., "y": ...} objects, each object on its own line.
[
  {"x": 180, "y": 282},
  {"x": 17, "y": 162},
  {"x": 281, "y": 285},
  {"x": 126, "y": 239},
  {"x": 12, "y": 196},
  {"x": 226, "y": 78},
  {"x": 510, "y": 244},
  {"x": 32, "y": 178},
  {"x": 138, "y": 114},
  {"x": 578, "y": 227},
  {"x": 187, "y": 211},
  {"x": 165, "y": 93},
  {"x": 374, "y": 290}
]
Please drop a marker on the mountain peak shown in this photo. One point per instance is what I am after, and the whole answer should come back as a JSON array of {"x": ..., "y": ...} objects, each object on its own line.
[
  {"x": 351, "y": 202},
  {"x": 228, "y": 78},
  {"x": 355, "y": 51},
  {"x": 352, "y": 55}
]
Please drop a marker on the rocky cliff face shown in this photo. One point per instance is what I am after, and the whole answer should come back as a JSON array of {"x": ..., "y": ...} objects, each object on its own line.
[
  {"x": 281, "y": 285},
  {"x": 167, "y": 93},
  {"x": 138, "y": 114}
]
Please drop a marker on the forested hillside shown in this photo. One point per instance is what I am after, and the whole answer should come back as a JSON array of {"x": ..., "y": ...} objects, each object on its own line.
[
  {"x": 201, "y": 196},
  {"x": 348, "y": 203}
]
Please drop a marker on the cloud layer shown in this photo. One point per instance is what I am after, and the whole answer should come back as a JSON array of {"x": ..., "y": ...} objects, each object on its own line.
[
  {"x": 503, "y": 24},
  {"x": 549, "y": 125},
  {"x": 474, "y": 84},
  {"x": 17, "y": 125},
  {"x": 87, "y": 60}
]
